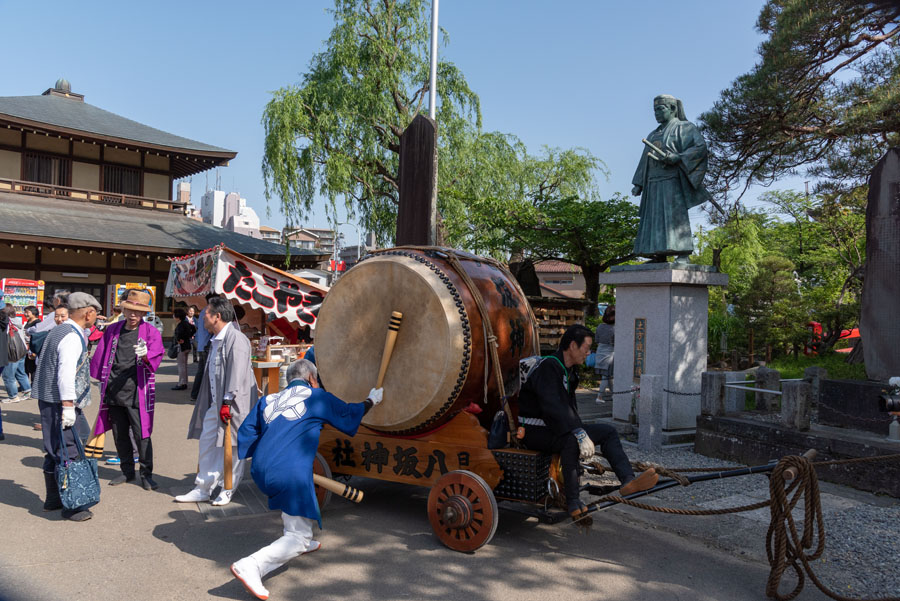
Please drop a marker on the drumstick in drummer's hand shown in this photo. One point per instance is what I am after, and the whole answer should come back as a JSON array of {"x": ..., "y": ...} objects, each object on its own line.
[{"x": 393, "y": 328}]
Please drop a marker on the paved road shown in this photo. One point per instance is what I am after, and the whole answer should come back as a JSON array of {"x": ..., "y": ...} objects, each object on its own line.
[{"x": 140, "y": 545}]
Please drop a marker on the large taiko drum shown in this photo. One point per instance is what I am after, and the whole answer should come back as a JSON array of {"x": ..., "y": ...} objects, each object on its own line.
[{"x": 440, "y": 363}]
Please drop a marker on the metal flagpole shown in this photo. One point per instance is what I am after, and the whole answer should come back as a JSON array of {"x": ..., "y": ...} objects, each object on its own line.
[{"x": 432, "y": 87}]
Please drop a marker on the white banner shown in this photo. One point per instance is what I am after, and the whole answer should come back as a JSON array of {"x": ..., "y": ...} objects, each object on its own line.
[{"x": 269, "y": 289}]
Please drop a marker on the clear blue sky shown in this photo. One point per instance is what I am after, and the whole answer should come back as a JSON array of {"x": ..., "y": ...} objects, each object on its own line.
[{"x": 559, "y": 74}]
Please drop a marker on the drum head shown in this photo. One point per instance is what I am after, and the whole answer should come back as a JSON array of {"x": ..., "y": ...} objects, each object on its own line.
[{"x": 427, "y": 367}]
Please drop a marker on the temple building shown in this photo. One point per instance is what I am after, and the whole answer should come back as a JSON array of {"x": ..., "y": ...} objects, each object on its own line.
[{"x": 86, "y": 198}]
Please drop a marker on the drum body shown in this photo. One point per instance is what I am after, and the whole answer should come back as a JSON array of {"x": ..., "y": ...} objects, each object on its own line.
[{"x": 440, "y": 363}]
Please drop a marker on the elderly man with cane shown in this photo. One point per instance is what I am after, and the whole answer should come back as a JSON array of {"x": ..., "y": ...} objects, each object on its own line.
[{"x": 282, "y": 435}]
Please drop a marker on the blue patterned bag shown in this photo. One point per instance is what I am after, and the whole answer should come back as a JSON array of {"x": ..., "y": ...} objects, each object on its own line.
[{"x": 79, "y": 484}]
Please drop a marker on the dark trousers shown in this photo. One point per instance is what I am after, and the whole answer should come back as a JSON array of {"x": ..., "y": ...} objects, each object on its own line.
[
  {"x": 198, "y": 377},
  {"x": 542, "y": 438},
  {"x": 126, "y": 421},
  {"x": 51, "y": 416},
  {"x": 30, "y": 368}
]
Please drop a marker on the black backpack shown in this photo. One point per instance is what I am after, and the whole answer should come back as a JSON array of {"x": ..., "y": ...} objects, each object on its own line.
[{"x": 17, "y": 350}]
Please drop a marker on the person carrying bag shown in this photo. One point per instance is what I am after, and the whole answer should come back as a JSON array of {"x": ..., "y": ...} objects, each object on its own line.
[{"x": 77, "y": 479}]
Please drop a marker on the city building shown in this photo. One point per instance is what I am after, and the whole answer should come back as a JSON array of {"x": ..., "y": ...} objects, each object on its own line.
[
  {"x": 212, "y": 207},
  {"x": 560, "y": 279},
  {"x": 350, "y": 255},
  {"x": 270, "y": 234},
  {"x": 310, "y": 238},
  {"x": 86, "y": 198}
]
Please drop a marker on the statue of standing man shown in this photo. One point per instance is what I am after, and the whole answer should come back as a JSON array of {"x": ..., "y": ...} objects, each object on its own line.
[{"x": 669, "y": 180}]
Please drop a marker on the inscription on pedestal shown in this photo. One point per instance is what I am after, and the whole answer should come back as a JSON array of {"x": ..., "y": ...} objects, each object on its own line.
[{"x": 640, "y": 334}]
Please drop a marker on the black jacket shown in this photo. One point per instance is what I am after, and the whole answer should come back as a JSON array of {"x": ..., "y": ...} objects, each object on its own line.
[
  {"x": 544, "y": 395},
  {"x": 184, "y": 331}
]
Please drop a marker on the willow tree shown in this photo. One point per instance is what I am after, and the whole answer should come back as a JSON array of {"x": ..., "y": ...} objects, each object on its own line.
[
  {"x": 547, "y": 206},
  {"x": 336, "y": 133},
  {"x": 822, "y": 99}
]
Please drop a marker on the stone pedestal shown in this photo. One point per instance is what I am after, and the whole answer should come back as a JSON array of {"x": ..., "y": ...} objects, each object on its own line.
[{"x": 661, "y": 323}]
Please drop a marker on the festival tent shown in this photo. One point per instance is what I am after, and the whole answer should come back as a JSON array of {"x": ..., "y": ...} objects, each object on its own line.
[{"x": 283, "y": 302}]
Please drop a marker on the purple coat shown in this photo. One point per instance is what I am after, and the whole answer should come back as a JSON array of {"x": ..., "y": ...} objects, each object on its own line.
[{"x": 102, "y": 361}]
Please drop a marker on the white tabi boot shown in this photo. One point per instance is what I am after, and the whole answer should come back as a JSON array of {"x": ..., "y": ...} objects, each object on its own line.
[{"x": 247, "y": 571}]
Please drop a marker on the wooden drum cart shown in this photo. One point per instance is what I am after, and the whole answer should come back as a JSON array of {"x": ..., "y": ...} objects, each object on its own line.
[{"x": 465, "y": 326}]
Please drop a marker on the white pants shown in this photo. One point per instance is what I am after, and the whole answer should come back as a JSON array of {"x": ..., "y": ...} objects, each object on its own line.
[
  {"x": 211, "y": 461},
  {"x": 297, "y": 539}
]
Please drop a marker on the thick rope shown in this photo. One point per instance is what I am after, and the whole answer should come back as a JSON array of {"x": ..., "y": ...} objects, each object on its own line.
[{"x": 785, "y": 546}]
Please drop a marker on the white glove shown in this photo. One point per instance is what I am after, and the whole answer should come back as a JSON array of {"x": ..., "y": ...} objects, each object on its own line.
[
  {"x": 68, "y": 417},
  {"x": 375, "y": 395},
  {"x": 585, "y": 444},
  {"x": 140, "y": 349}
]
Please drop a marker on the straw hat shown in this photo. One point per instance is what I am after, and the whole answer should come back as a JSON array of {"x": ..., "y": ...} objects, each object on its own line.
[{"x": 137, "y": 300}]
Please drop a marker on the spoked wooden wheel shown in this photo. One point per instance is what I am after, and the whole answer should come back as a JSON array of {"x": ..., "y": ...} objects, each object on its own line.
[
  {"x": 462, "y": 511},
  {"x": 320, "y": 466}
]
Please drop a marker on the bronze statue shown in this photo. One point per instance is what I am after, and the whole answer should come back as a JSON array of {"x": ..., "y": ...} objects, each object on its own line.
[{"x": 669, "y": 180}]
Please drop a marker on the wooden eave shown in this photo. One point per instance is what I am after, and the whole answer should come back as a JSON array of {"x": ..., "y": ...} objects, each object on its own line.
[{"x": 182, "y": 161}]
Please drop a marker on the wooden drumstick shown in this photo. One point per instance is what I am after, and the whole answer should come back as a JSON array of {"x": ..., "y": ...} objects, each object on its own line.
[
  {"x": 345, "y": 490},
  {"x": 393, "y": 328},
  {"x": 227, "y": 443}
]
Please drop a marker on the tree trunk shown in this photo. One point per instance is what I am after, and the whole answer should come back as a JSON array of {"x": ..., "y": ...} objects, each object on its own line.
[{"x": 591, "y": 275}]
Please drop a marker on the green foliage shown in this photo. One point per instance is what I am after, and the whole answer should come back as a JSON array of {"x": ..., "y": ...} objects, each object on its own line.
[
  {"x": 725, "y": 332},
  {"x": 836, "y": 364},
  {"x": 337, "y": 132},
  {"x": 822, "y": 97},
  {"x": 772, "y": 305}
]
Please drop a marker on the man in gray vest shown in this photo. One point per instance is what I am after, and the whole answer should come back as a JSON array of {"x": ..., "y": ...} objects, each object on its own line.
[{"x": 62, "y": 385}]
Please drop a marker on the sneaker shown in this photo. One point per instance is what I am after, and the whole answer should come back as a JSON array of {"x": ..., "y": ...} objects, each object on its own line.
[
  {"x": 314, "y": 546},
  {"x": 195, "y": 496},
  {"x": 224, "y": 498},
  {"x": 13, "y": 399},
  {"x": 25, "y": 395},
  {"x": 247, "y": 571},
  {"x": 113, "y": 461}
]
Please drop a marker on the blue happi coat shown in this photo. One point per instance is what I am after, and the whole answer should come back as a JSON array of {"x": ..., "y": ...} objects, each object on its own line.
[{"x": 281, "y": 433}]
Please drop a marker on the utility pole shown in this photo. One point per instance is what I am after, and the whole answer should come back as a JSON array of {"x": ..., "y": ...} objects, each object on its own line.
[{"x": 432, "y": 86}]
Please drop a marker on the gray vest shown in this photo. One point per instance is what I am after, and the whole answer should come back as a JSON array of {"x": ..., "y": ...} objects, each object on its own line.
[{"x": 45, "y": 386}]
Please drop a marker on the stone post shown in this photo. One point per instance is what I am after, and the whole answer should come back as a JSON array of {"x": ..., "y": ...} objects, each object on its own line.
[
  {"x": 650, "y": 413},
  {"x": 795, "y": 405},
  {"x": 815, "y": 375},
  {"x": 767, "y": 379},
  {"x": 734, "y": 399},
  {"x": 712, "y": 393}
]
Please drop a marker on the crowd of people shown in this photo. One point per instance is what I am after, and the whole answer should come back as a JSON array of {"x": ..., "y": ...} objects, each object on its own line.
[{"x": 279, "y": 431}]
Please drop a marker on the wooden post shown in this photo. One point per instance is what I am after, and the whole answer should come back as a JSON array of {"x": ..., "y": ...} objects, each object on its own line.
[{"x": 417, "y": 213}]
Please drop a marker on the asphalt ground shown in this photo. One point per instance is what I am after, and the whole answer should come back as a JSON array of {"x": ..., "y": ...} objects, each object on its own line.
[{"x": 141, "y": 545}]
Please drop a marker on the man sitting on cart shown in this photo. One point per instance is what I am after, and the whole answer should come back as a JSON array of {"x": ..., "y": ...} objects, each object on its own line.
[{"x": 549, "y": 414}]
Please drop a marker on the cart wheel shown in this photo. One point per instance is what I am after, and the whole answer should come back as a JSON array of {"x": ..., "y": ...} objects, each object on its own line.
[
  {"x": 462, "y": 511},
  {"x": 320, "y": 466}
]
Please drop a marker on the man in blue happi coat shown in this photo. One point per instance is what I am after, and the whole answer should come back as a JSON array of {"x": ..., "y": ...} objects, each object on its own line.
[{"x": 282, "y": 434}]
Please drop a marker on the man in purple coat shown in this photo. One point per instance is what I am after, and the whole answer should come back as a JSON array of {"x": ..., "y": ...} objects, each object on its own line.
[{"x": 125, "y": 363}]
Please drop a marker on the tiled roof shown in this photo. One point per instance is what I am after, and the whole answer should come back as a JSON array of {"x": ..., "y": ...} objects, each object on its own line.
[
  {"x": 556, "y": 267},
  {"x": 81, "y": 223},
  {"x": 82, "y": 117}
]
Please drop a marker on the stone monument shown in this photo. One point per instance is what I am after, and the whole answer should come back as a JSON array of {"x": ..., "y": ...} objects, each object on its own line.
[
  {"x": 661, "y": 307},
  {"x": 878, "y": 321}
]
